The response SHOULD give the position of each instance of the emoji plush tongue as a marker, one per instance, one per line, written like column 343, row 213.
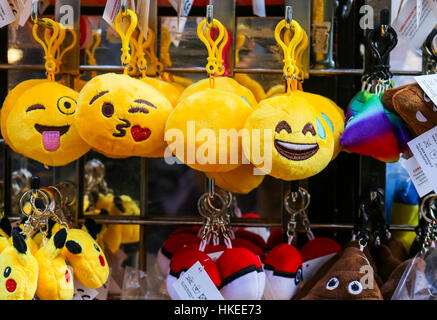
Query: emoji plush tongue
column 51, row 140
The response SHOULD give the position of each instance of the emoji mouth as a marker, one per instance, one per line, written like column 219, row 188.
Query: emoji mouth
column 51, row 135
column 121, row 128
column 296, row 151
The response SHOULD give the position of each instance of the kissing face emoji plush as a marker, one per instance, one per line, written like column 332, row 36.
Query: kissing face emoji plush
column 122, row 116
column 289, row 132
column 41, row 125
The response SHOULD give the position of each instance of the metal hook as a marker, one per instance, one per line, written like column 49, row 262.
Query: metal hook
column 123, row 6
column 211, row 183
column 209, row 13
column 34, row 11
column 288, row 14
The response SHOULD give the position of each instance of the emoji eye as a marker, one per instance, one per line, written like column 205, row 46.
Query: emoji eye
column 97, row 248
column 283, row 125
column 108, row 109
column 426, row 98
column 332, row 283
column 309, row 128
column 355, row 287
column 298, row 278
column 7, row 272
column 35, row 107
column 67, row 105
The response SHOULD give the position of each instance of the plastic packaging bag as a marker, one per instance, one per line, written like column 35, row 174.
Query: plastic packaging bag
column 419, row 281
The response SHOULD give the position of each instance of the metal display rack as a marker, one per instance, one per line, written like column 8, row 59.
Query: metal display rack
column 225, row 11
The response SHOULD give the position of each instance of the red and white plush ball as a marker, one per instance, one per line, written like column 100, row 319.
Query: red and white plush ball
column 283, row 268
column 262, row 232
column 184, row 260
column 171, row 246
column 276, row 237
column 242, row 275
column 315, row 253
column 244, row 243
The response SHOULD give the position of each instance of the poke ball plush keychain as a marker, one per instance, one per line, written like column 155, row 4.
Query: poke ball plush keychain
column 38, row 116
column 315, row 253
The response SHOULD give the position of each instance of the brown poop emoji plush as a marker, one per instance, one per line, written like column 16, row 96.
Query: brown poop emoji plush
column 415, row 108
column 343, row 281
column 385, row 260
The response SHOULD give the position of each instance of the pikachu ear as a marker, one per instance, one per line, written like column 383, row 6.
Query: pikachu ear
column 19, row 242
column 56, row 243
column 5, row 226
column 92, row 228
column 59, row 238
column 74, row 247
column 119, row 203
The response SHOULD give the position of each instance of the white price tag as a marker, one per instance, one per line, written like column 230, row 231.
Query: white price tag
column 424, row 149
column 103, row 290
column 175, row 30
column 417, row 175
column 112, row 7
column 25, row 14
column 195, row 284
column 143, row 16
column 6, row 14
column 259, row 8
column 428, row 83
column 415, row 22
column 83, row 293
column 185, row 6
column 215, row 255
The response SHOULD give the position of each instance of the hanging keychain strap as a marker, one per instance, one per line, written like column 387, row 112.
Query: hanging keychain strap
column 125, row 36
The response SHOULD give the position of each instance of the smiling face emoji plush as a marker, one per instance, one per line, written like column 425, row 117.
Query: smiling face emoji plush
column 122, row 116
column 41, row 125
column 292, row 137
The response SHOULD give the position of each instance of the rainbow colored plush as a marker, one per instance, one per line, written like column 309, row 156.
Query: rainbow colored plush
column 369, row 131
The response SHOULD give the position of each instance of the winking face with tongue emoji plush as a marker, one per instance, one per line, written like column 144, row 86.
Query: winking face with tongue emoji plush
column 41, row 125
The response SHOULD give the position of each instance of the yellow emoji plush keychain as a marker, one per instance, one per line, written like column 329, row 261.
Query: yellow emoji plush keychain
column 207, row 113
column 119, row 115
column 38, row 115
column 288, row 130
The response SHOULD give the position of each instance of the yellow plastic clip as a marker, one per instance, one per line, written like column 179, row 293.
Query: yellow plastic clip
column 290, row 66
column 90, row 50
column 205, row 28
column 125, row 36
column 61, row 54
column 50, row 62
column 165, row 46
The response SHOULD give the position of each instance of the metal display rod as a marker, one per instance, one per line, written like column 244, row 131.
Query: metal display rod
column 317, row 72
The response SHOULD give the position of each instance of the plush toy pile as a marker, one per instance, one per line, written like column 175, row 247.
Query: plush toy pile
column 47, row 270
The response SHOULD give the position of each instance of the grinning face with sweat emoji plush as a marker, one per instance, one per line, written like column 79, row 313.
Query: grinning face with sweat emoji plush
column 122, row 116
column 41, row 124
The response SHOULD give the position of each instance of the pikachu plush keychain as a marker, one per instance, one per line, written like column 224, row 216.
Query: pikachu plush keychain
column 119, row 115
column 38, row 115
column 207, row 105
column 296, row 134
